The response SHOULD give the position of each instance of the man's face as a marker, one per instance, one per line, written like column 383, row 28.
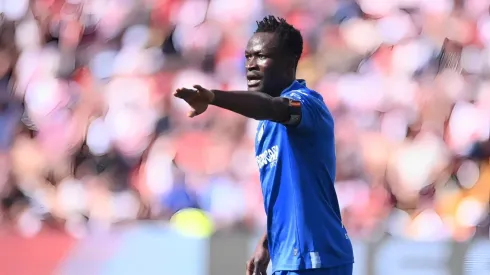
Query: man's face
column 264, row 64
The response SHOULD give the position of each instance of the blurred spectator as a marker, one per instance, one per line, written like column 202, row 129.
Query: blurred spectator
column 91, row 135
column 179, row 197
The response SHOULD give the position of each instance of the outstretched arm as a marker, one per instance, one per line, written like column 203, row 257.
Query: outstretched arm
column 253, row 105
column 259, row 106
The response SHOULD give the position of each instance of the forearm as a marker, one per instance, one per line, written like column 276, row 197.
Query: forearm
column 256, row 105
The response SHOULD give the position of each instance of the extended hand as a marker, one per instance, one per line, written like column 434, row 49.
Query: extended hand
column 199, row 99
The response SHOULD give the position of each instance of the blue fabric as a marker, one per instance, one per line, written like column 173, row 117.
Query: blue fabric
column 179, row 197
column 297, row 173
column 337, row 270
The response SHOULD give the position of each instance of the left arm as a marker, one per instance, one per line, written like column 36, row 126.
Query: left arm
column 259, row 106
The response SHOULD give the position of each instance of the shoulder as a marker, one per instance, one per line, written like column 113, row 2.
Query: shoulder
column 303, row 94
column 307, row 109
column 298, row 94
column 306, row 98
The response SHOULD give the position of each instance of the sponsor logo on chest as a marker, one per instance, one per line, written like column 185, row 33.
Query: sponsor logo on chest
column 268, row 157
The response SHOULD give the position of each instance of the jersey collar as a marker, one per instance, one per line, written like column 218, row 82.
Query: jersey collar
column 296, row 85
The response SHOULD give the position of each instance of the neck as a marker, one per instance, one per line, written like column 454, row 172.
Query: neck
column 281, row 87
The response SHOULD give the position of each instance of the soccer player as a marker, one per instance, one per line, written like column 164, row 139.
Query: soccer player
column 295, row 152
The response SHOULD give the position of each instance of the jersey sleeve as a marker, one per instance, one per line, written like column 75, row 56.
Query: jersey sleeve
column 304, row 110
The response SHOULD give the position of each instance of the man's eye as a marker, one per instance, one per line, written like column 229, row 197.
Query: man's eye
column 262, row 56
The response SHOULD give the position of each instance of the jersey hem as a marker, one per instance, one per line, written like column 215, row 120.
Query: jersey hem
column 294, row 267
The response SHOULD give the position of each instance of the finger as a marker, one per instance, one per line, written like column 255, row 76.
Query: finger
column 257, row 269
column 178, row 94
column 199, row 88
column 250, row 268
column 184, row 92
column 192, row 114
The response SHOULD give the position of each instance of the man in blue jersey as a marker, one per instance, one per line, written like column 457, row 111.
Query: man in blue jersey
column 295, row 152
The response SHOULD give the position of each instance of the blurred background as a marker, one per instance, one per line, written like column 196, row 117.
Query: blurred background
column 101, row 171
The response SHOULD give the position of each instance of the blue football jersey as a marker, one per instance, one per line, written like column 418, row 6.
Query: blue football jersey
column 297, row 172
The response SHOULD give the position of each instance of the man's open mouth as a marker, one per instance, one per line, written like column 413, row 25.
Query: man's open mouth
column 253, row 81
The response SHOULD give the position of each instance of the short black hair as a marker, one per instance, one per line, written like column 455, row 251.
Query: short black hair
column 289, row 37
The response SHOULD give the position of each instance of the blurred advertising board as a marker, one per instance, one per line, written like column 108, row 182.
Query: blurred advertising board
column 387, row 256
column 145, row 248
column 151, row 248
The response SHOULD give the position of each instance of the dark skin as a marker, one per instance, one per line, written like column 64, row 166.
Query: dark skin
column 266, row 79
column 269, row 71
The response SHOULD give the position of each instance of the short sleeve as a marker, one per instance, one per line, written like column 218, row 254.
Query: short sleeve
column 305, row 107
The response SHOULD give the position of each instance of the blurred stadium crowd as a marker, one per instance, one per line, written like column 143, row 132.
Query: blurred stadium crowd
column 91, row 135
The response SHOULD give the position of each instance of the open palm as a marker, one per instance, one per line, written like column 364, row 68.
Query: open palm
column 198, row 98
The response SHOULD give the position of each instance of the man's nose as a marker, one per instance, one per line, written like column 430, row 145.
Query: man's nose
column 251, row 64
